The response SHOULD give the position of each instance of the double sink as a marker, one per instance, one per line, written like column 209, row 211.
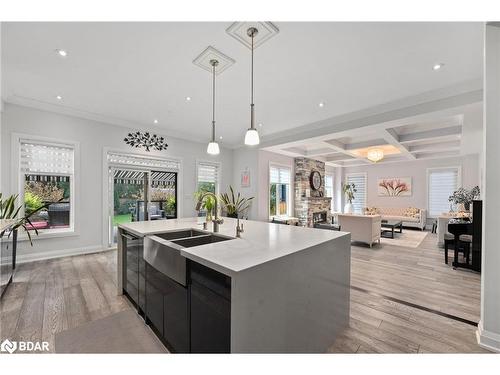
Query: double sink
column 163, row 250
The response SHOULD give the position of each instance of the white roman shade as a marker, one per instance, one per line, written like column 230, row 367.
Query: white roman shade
column 359, row 180
column 38, row 158
column 442, row 184
column 208, row 172
column 121, row 160
column 279, row 175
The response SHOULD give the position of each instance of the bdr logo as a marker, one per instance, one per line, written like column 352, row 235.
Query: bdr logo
column 23, row 346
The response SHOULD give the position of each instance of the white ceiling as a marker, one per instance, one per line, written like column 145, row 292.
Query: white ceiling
column 131, row 73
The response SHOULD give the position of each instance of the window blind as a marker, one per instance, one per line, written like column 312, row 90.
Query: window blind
column 359, row 202
column 146, row 162
column 279, row 175
column 442, row 184
column 208, row 172
column 44, row 158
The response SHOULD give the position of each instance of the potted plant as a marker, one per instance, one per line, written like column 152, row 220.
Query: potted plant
column 208, row 204
column 170, row 205
column 235, row 205
column 349, row 190
column 8, row 211
column 463, row 197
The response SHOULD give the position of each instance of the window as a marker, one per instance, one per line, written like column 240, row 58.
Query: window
column 279, row 191
column 47, row 175
column 329, row 188
column 442, row 182
column 208, row 177
column 359, row 180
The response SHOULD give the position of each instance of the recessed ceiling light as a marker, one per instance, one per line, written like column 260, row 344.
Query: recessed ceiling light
column 321, row 104
column 260, row 124
column 155, row 121
column 61, row 52
column 188, row 98
column 438, row 66
column 220, row 137
column 59, row 97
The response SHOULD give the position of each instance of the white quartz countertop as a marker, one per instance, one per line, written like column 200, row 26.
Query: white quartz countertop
column 260, row 242
column 5, row 223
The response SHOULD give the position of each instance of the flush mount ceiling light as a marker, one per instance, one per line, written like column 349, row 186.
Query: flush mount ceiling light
column 321, row 104
column 252, row 135
column 437, row 66
column 213, row 146
column 59, row 97
column 62, row 53
column 375, row 154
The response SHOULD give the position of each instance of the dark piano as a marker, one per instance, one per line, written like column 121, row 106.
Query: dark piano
column 457, row 227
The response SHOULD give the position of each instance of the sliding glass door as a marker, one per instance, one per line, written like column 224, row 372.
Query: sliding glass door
column 140, row 195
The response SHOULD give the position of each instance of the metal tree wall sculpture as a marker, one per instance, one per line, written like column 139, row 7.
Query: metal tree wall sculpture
column 146, row 140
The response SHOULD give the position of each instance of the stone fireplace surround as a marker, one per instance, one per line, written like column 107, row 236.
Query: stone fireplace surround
column 307, row 200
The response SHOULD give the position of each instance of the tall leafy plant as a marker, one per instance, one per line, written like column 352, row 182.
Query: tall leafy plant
column 349, row 190
column 9, row 211
column 235, row 204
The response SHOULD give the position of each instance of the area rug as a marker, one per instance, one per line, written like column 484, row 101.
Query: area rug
column 123, row 332
column 409, row 238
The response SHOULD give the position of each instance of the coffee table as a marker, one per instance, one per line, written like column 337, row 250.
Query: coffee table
column 388, row 228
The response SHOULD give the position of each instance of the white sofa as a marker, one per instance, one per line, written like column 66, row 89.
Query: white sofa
column 363, row 228
column 410, row 216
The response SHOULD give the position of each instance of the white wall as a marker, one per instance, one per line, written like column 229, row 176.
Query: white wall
column 417, row 170
column 93, row 138
column 489, row 325
column 246, row 158
column 257, row 162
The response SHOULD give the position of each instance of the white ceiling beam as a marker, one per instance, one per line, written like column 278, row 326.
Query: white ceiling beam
column 366, row 144
column 340, row 157
column 393, row 138
column 431, row 134
column 320, row 151
column 438, row 146
column 341, row 147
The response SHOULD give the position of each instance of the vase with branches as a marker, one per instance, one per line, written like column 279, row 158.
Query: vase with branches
column 349, row 190
column 464, row 196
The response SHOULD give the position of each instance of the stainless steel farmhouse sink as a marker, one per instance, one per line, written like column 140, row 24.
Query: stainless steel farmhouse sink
column 183, row 233
column 163, row 250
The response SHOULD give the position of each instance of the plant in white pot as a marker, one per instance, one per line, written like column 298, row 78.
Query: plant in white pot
column 349, row 190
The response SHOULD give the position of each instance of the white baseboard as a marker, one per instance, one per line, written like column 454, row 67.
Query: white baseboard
column 25, row 258
column 486, row 339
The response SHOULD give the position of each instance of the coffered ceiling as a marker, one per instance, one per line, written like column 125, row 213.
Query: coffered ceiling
column 133, row 73
column 441, row 136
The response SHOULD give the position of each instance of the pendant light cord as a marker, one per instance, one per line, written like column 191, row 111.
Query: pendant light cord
column 252, row 71
column 252, row 110
column 214, row 63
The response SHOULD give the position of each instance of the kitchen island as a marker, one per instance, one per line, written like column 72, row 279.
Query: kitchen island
column 277, row 289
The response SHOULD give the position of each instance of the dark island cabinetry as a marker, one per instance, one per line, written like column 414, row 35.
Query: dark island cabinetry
column 210, row 297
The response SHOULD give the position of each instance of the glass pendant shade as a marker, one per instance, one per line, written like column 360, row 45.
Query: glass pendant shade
column 252, row 137
column 213, row 148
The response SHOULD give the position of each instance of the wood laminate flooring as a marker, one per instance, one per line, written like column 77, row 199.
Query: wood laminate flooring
column 51, row 296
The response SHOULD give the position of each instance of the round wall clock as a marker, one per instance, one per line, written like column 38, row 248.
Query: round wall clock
column 315, row 180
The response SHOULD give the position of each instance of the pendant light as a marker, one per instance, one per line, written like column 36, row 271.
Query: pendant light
column 252, row 135
column 213, row 146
